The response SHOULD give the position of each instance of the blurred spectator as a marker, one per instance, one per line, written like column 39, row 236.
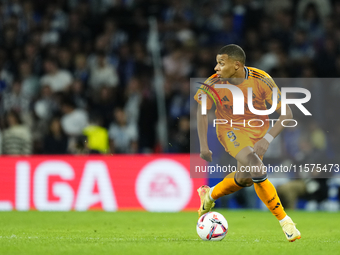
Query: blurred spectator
column 15, row 99
column 270, row 59
column 10, row 38
column 17, row 138
column 291, row 138
column 313, row 190
column 209, row 20
column 81, row 146
column 48, row 35
column 117, row 38
column 272, row 6
column 312, row 9
column 143, row 65
column 176, row 64
column 100, row 45
column 77, row 92
column 74, row 120
column 33, row 57
column 301, row 50
column 6, row 77
column 227, row 34
column 123, row 136
column 58, row 80
column 282, row 29
column 97, row 136
column 65, row 59
column 318, row 136
column 252, row 41
column 325, row 60
column 180, row 141
column 180, row 104
column 126, row 65
column 103, row 74
column 103, row 104
column 291, row 191
column 81, row 71
column 147, row 122
column 311, row 22
column 312, row 184
column 76, row 29
column 51, row 52
column 56, row 141
column 45, row 104
column 59, row 18
column 133, row 100
column 185, row 34
column 30, row 82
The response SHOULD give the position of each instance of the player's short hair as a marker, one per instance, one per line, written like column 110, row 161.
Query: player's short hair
column 234, row 51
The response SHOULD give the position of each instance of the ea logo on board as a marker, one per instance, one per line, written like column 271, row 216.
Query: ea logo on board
column 164, row 185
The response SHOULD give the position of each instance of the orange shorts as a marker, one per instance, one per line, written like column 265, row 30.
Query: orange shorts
column 234, row 140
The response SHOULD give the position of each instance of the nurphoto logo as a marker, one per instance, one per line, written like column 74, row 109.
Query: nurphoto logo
column 239, row 105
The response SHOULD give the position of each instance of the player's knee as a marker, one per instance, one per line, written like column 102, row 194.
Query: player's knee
column 253, row 160
column 256, row 166
column 245, row 182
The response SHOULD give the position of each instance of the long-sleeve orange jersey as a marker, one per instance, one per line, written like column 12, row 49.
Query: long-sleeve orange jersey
column 262, row 86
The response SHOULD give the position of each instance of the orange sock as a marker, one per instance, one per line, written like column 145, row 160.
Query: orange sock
column 267, row 193
column 226, row 187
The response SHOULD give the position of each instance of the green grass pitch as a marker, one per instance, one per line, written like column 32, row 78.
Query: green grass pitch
column 250, row 232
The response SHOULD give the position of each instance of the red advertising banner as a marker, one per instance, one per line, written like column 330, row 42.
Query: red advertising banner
column 110, row 183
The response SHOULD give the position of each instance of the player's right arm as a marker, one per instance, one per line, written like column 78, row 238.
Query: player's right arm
column 202, row 128
column 202, row 120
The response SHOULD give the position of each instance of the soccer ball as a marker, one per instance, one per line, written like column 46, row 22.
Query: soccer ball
column 212, row 226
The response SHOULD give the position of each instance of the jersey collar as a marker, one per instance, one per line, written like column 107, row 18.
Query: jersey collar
column 247, row 72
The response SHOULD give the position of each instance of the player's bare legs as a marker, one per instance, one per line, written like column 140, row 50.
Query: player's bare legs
column 232, row 183
column 267, row 192
column 243, row 178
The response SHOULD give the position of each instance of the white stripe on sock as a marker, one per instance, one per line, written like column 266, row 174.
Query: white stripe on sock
column 211, row 190
column 285, row 218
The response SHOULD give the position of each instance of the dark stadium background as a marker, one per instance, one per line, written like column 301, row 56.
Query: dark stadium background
column 112, row 77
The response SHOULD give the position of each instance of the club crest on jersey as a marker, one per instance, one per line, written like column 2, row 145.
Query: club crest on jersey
column 236, row 144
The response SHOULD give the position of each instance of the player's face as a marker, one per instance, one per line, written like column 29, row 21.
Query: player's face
column 226, row 67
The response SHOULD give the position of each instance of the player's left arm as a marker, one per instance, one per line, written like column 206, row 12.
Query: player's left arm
column 261, row 146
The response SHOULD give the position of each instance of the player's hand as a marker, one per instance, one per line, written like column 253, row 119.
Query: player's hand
column 206, row 155
column 261, row 147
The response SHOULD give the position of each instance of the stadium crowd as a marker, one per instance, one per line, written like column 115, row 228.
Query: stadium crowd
column 76, row 76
